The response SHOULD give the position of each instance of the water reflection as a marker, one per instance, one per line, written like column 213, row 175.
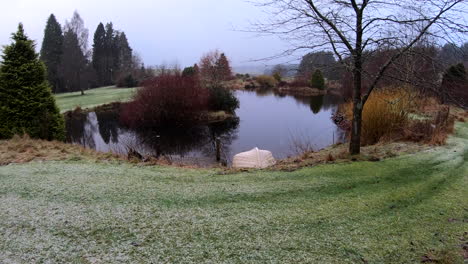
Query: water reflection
column 265, row 120
column 316, row 103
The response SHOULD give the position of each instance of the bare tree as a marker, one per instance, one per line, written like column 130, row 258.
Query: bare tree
column 78, row 58
column 76, row 25
column 353, row 29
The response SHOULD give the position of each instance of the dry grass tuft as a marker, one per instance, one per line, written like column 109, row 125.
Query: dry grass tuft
column 385, row 112
column 433, row 131
column 330, row 158
column 397, row 114
column 23, row 149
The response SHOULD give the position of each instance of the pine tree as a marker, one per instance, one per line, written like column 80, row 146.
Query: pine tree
column 125, row 52
column 51, row 51
column 317, row 80
column 99, row 54
column 188, row 71
column 110, row 54
column 26, row 101
column 455, row 84
column 223, row 68
column 73, row 63
column 75, row 55
column 196, row 69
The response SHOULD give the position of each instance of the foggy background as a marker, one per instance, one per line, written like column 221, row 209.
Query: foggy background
column 162, row 32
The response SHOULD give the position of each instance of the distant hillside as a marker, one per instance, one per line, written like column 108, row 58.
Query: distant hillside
column 263, row 69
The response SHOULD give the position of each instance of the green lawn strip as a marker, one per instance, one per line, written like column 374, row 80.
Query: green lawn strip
column 393, row 211
column 93, row 98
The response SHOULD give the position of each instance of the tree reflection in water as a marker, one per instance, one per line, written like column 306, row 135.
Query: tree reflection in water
column 102, row 131
column 265, row 119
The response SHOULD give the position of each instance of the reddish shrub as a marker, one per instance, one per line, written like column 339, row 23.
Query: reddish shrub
column 299, row 82
column 166, row 100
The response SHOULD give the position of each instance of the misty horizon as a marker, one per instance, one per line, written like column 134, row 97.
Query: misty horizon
column 160, row 32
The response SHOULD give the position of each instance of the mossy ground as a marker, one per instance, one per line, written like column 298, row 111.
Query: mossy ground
column 401, row 210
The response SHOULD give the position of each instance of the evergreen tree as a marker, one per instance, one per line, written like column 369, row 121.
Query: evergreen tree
column 125, row 52
column 26, row 102
column 188, row 71
column 455, row 85
column 99, row 54
column 75, row 54
column 317, row 80
column 223, row 68
column 111, row 54
column 196, row 69
column 73, row 63
column 51, row 51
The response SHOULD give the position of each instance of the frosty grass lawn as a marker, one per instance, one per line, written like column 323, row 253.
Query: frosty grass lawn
column 93, row 97
column 400, row 210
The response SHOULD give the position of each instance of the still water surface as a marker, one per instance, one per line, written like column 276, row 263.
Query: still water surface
column 284, row 125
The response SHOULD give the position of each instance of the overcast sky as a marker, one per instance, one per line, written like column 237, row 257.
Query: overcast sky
column 161, row 31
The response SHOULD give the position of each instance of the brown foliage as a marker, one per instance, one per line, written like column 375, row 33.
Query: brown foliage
column 266, row 81
column 433, row 131
column 22, row 149
column 385, row 118
column 166, row 99
column 385, row 112
column 215, row 68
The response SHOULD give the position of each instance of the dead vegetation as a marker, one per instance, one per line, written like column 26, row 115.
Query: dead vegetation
column 339, row 153
column 22, row 149
column 388, row 131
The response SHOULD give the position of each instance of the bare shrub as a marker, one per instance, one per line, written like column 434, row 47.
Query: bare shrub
column 433, row 131
column 266, row 81
column 301, row 145
column 329, row 158
column 166, row 99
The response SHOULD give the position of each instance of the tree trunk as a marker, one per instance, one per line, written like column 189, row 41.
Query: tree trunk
column 79, row 83
column 358, row 103
column 355, row 144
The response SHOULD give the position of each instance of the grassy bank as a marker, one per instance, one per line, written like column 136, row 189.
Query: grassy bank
column 401, row 210
column 93, row 97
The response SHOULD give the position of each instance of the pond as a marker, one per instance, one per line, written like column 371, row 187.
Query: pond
column 285, row 125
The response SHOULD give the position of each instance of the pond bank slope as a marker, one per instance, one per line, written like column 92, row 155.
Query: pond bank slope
column 400, row 210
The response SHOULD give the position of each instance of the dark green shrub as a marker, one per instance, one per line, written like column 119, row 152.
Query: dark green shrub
column 222, row 99
column 317, row 80
column 128, row 81
column 188, row 71
column 277, row 77
column 454, row 87
column 26, row 102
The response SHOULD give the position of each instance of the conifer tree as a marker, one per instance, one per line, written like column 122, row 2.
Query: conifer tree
column 75, row 55
column 73, row 63
column 454, row 87
column 110, row 54
column 125, row 52
column 317, row 80
column 196, row 69
column 223, row 68
column 51, row 51
column 26, row 102
column 99, row 54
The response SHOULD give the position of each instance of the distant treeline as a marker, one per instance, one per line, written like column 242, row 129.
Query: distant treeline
column 426, row 68
column 72, row 66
